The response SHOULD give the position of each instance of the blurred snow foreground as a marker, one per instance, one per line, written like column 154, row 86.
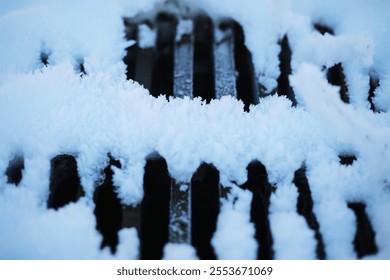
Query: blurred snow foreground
column 45, row 111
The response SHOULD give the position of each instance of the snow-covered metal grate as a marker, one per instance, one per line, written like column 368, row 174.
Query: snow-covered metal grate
column 190, row 56
column 183, row 53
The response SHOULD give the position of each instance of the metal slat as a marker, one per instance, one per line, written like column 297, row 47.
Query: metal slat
column 184, row 60
column 225, row 72
column 180, row 204
column 180, row 213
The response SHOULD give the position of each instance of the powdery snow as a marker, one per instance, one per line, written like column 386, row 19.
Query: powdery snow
column 173, row 251
column 233, row 228
column 45, row 111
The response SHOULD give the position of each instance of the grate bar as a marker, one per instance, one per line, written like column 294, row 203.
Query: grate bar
column 184, row 60
column 225, row 73
column 180, row 203
column 180, row 213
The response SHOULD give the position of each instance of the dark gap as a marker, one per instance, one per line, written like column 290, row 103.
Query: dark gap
column 155, row 209
column 335, row 74
column 263, row 92
column 204, row 80
column 305, row 208
column 131, row 217
column 15, row 169
column 108, row 209
column 144, row 67
column 131, row 33
column 246, row 83
column 65, row 186
column 261, row 190
column 364, row 241
column 284, row 88
column 336, row 77
column 347, row 159
column 180, row 211
column 374, row 83
column 44, row 57
column 80, row 67
column 323, row 29
column 205, row 209
column 162, row 77
column 224, row 192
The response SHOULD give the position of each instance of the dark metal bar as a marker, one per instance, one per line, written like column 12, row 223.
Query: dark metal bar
column 305, row 208
column 131, row 217
column 180, row 213
column 14, row 171
column 184, row 60
column 180, row 204
column 225, row 72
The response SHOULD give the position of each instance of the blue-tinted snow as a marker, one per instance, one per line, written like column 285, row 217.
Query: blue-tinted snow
column 47, row 111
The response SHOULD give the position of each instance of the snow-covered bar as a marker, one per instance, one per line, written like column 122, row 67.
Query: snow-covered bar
column 180, row 204
column 225, row 73
column 180, row 213
column 184, row 59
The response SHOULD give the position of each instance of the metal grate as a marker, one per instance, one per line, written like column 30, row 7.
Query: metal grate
column 193, row 56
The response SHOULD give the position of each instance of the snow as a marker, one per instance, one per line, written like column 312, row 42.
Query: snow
column 46, row 111
column 358, row 18
column 233, row 227
column 184, row 27
column 174, row 251
column 146, row 36
column 292, row 237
